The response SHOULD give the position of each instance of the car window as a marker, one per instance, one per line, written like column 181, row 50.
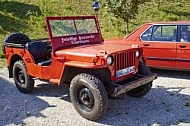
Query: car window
column 62, row 27
column 86, row 26
column 185, row 33
column 147, row 34
column 160, row 33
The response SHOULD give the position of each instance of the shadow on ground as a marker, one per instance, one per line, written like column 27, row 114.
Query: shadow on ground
column 158, row 107
column 27, row 105
column 51, row 90
column 162, row 105
column 172, row 73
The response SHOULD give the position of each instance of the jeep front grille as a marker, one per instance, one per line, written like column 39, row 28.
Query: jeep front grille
column 124, row 59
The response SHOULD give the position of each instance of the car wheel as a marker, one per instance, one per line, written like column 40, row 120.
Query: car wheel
column 23, row 81
column 142, row 90
column 88, row 96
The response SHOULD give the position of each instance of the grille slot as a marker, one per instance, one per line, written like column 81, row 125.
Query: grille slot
column 124, row 59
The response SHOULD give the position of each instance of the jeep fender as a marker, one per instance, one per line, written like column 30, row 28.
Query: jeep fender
column 73, row 68
column 11, row 62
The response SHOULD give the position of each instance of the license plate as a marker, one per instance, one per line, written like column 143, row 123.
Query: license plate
column 125, row 71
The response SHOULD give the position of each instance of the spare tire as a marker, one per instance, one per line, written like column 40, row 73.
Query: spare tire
column 17, row 38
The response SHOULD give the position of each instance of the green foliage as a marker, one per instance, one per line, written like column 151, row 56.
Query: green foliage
column 124, row 9
column 28, row 16
column 2, row 62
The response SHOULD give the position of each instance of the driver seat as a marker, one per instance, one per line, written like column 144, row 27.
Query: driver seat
column 39, row 52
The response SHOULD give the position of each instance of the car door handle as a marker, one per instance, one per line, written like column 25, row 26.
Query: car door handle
column 146, row 44
column 182, row 46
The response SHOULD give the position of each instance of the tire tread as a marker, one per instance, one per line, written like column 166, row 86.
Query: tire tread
column 100, row 89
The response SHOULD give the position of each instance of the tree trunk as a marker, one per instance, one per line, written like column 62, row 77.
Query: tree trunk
column 127, row 27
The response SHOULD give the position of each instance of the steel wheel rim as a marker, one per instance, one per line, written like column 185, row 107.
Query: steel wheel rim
column 20, row 76
column 85, row 98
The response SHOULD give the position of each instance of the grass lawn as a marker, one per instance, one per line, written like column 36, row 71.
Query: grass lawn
column 28, row 16
column 2, row 63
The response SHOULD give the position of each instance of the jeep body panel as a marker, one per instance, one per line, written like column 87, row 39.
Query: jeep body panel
column 75, row 54
column 77, row 42
column 32, row 68
column 86, row 53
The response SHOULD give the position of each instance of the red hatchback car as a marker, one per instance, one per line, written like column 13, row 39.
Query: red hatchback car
column 165, row 44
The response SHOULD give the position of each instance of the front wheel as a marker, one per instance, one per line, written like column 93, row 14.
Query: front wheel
column 23, row 81
column 142, row 90
column 88, row 96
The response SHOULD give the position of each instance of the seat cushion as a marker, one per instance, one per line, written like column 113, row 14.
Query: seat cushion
column 37, row 49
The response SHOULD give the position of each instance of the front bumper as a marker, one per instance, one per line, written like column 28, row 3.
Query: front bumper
column 134, row 84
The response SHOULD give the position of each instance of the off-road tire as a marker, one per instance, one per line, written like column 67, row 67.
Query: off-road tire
column 17, row 38
column 23, row 81
column 88, row 96
column 142, row 90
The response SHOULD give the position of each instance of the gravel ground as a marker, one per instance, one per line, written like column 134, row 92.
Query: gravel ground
column 168, row 103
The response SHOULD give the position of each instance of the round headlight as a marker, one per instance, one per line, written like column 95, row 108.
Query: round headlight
column 137, row 53
column 109, row 60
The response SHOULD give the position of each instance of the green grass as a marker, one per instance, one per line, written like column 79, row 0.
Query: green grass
column 28, row 16
column 2, row 62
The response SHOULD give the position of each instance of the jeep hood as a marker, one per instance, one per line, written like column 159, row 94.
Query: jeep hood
column 84, row 51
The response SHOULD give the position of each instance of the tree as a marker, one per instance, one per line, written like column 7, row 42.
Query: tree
column 124, row 9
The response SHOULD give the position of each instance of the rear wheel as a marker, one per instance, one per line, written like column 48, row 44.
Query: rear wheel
column 88, row 96
column 23, row 81
column 142, row 90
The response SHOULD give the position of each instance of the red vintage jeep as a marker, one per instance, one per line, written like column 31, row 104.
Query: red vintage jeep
column 77, row 55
